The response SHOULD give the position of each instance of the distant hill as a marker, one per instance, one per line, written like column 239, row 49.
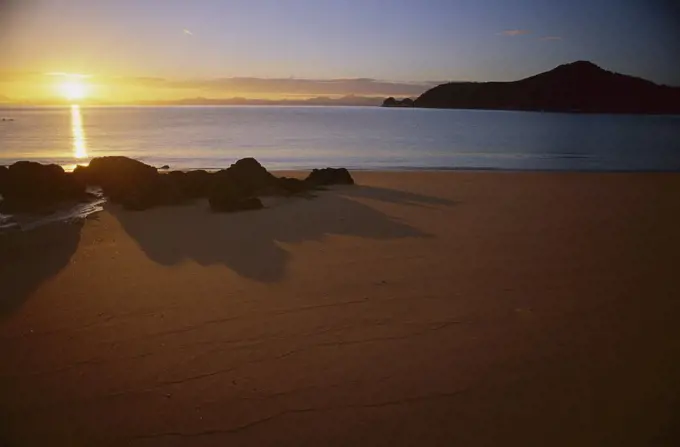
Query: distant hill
column 576, row 87
column 349, row 100
column 392, row 102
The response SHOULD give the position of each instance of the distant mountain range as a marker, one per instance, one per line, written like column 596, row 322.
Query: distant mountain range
column 349, row 100
column 576, row 87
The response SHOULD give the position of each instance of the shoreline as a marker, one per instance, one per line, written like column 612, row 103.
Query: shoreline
column 74, row 212
column 71, row 167
column 10, row 106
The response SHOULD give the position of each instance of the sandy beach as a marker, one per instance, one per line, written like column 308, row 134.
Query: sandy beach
column 416, row 308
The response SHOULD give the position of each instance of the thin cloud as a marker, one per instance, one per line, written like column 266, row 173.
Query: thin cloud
column 68, row 75
column 551, row 38
column 514, row 32
column 237, row 86
column 33, row 76
column 187, row 32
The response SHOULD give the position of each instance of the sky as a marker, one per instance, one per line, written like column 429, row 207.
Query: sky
column 142, row 50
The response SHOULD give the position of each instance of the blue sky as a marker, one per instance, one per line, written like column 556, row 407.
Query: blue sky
column 397, row 40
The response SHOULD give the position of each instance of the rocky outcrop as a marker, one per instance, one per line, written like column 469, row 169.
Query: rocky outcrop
column 392, row 102
column 580, row 86
column 138, row 186
column 135, row 185
column 33, row 187
column 329, row 176
column 248, row 176
column 235, row 188
column 293, row 185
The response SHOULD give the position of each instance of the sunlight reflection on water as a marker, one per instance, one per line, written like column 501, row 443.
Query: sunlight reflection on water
column 77, row 133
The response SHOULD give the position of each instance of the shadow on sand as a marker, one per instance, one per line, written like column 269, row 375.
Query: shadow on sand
column 27, row 259
column 249, row 242
column 393, row 196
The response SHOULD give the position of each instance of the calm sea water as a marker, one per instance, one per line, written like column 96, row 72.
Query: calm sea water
column 358, row 138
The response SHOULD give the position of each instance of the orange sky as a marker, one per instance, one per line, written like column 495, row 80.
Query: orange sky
column 48, row 88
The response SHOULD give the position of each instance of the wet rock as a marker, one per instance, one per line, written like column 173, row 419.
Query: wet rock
column 135, row 185
column 329, row 176
column 33, row 187
column 237, row 187
column 80, row 173
column 164, row 168
column 247, row 177
column 120, row 177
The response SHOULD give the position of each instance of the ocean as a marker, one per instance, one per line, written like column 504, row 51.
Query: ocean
column 353, row 137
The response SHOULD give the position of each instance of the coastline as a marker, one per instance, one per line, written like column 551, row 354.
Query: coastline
column 78, row 211
column 479, row 308
column 295, row 169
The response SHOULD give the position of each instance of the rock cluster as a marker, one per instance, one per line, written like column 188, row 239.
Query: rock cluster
column 28, row 186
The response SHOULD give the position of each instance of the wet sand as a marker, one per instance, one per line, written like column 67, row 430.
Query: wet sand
column 419, row 308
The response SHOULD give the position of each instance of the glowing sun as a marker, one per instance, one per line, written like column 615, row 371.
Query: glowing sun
column 73, row 90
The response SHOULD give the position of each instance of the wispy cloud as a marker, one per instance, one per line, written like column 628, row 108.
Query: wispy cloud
column 514, row 32
column 187, row 32
column 238, row 86
column 551, row 38
column 68, row 75
column 37, row 77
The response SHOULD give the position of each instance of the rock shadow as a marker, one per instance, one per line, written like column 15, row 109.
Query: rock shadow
column 249, row 242
column 28, row 258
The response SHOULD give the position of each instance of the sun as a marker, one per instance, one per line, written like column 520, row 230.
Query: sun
column 73, row 90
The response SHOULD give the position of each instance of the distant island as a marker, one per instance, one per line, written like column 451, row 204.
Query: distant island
column 393, row 102
column 580, row 87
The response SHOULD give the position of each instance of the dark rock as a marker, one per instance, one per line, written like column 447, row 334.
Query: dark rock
column 121, row 177
column 292, row 185
column 80, row 173
column 33, row 187
column 193, row 184
column 164, row 168
column 131, row 183
column 247, row 176
column 329, row 176
column 578, row 87
column 162, row 192
column 235, row 187
column 391, row 102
